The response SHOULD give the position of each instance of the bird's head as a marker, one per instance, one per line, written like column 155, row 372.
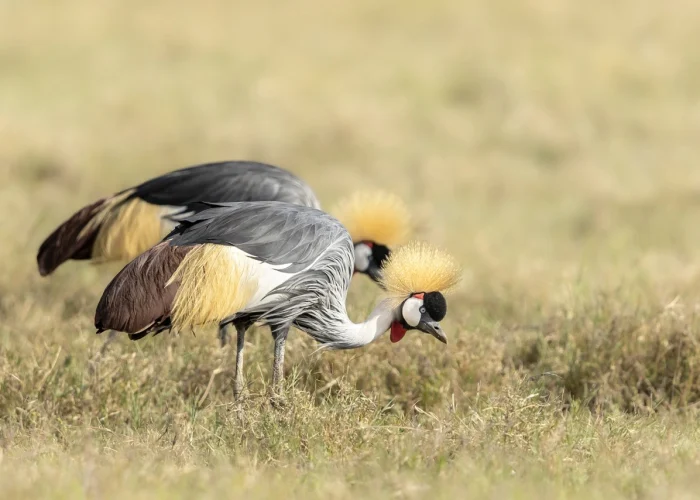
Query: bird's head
column 369, row 258
column 376, row 222
column 416, row 277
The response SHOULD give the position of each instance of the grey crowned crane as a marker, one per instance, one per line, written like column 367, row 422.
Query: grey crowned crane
column 273, row 263
column 122, row 226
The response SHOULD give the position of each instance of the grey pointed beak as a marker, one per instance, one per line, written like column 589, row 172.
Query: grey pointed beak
column 434, row 329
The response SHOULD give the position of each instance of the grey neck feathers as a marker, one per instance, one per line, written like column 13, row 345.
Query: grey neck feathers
column 314, row 302
column 339, row 332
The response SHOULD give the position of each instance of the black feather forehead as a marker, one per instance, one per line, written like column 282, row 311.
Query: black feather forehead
column 435, row 305
column 380, row 253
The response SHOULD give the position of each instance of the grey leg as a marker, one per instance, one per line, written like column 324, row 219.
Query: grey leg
column 240, row 341
column 94, row 361
column 224, row 337
column 279, row 333
column 112, row 337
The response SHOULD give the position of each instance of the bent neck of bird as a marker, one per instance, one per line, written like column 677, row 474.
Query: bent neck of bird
column 378, row 322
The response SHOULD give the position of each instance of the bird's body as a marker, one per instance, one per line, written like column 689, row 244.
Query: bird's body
column 243, row 263
column 122, row 226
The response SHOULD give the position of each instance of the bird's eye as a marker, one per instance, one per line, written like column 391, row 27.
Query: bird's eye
column 422, row 310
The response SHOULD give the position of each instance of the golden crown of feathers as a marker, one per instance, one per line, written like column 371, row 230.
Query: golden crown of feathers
column 419, row 267
column 376, row 216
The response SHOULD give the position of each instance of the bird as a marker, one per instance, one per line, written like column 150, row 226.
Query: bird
column 122, row 226
column 277, row 264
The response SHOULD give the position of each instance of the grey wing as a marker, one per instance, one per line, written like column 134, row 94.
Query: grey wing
column 280, row 234
column 230, row 181
column 311, row 300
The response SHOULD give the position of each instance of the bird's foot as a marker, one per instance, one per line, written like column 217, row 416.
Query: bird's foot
column 278, row 401
column 94, row 361
column 105, row 347
column 239, row 394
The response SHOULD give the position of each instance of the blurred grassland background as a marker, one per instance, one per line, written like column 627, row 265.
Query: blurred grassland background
column 551, row 145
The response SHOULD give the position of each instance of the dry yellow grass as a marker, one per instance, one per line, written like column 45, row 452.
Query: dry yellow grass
column 551, row 146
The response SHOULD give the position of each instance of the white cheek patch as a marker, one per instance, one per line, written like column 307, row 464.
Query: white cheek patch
column 411, row 311
column 363, row 253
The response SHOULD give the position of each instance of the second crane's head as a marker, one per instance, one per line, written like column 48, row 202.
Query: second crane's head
column 416, row 276
column 376, row 221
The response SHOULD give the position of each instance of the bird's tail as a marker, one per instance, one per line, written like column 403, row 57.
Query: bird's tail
column 140, row 298
column 116, row 228
column 74, row 239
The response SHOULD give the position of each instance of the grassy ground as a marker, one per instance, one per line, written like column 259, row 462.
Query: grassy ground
column 550, row 145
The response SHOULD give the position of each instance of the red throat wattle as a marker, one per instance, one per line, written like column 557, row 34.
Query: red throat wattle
column 397, row 331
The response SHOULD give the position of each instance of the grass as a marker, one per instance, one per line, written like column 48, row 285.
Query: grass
column 550, row 146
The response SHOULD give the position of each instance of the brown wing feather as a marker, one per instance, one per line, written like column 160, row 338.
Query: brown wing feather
column 138, row 300
column 71, row 240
